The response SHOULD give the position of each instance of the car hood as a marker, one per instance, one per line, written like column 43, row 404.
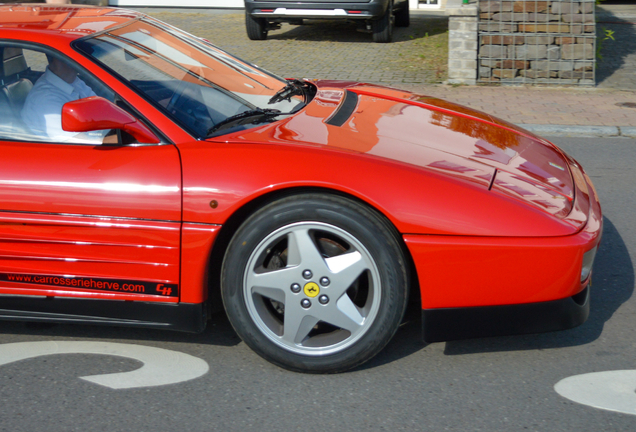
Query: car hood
column 433, row 134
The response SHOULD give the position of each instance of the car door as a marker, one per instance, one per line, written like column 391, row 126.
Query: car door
column 86, row 220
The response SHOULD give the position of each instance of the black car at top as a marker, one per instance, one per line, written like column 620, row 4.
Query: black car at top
column 376, row 16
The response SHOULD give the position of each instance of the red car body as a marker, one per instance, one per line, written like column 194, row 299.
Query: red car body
column 495, row 220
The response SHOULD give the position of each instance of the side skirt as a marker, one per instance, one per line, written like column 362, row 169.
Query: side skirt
column 464, row 323
column 186, row 317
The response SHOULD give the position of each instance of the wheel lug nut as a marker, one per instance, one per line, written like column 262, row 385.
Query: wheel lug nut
column 307, row 274
column 323, row 299
column 324, row 281
column 305, row 303
column 296, row 288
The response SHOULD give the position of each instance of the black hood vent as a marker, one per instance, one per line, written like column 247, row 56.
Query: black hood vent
column 344, row 111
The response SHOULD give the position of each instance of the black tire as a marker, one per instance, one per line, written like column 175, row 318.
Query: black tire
column 256, row 27
column 382, row 27
column 402, row 17
column 351, row 315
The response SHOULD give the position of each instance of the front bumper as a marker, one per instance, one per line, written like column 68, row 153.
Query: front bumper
column 493, row 286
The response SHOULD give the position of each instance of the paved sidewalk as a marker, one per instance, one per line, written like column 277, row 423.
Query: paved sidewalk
column 337, row 51
column 590, row 109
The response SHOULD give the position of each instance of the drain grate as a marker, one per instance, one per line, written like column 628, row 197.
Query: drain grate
column 627, row 104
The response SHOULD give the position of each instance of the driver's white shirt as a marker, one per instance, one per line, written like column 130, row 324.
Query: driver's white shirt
column 42, row 112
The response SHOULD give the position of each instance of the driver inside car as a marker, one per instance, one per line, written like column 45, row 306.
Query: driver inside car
column 42, row 112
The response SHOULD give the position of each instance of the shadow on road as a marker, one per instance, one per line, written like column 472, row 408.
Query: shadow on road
column 612, row 268
column 218, row 332
column 407, row 340
column 614, row 52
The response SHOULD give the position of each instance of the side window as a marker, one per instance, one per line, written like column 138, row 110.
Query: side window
column 34, row 85
column 35, row 60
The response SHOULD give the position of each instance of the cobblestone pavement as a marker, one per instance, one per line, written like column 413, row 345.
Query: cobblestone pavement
column 336, row 50
column 329, row 49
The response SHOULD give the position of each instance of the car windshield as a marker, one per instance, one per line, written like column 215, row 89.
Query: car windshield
column 198, row 85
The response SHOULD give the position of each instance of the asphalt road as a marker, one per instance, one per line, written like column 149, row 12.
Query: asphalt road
column 493, row 384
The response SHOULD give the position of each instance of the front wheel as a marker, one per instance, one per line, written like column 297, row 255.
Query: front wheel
column 315, row 283
column 256, row 27
column 402, row 17
column 382, row 27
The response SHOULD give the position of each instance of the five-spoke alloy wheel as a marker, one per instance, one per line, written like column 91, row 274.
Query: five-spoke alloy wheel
column 315, row 283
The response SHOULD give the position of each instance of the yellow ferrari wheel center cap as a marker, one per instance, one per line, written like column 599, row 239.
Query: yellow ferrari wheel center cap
column 312, row 289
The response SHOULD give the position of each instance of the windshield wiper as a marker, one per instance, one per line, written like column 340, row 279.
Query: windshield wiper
column 246, row 117
column 294, row 87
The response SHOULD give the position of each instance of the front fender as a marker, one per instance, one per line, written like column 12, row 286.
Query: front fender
column 417, row 200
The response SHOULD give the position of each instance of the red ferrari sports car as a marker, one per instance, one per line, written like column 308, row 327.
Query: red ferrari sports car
column 148, row 178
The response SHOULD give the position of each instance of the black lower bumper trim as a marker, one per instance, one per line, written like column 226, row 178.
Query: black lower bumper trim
column 464, row 323
column 187, row 317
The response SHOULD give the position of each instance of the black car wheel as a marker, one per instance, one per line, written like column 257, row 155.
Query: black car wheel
column 315, row 283
column 382, row 27
column 256, row 27
column 402, row 17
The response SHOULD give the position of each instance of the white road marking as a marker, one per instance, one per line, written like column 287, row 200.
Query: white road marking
column 610, row 390
column 160, row 367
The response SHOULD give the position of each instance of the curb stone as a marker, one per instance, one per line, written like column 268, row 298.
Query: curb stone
column 629, row 132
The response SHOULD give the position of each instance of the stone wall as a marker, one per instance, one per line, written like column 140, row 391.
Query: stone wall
column 532, row 41
column 462, row 44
